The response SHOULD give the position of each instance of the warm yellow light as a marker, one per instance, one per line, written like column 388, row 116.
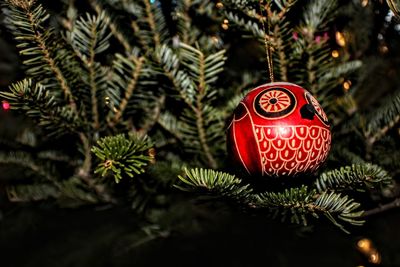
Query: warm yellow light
column 375, row 257
column 215, row 39
column 364, row 3
column 346, row 86
column 225, row 26
column 335, row 54
column 221, row 5
column 226, row 21
column 364, row 243
column 383, row 49
column 340, row 40
column 152, row 155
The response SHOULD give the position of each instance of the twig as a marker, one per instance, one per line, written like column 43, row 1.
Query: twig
column 394, row 204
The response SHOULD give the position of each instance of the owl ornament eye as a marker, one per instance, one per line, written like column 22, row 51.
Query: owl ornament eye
column 279, row 129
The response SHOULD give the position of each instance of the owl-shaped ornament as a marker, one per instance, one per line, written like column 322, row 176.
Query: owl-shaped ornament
column 279, row 129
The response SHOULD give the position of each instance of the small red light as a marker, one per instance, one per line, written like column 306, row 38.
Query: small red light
column 6, row 105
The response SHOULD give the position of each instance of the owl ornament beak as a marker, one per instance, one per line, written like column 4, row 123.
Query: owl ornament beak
column 307, row 112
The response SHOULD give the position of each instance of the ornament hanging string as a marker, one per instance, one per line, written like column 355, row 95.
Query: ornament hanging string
column 268, row 49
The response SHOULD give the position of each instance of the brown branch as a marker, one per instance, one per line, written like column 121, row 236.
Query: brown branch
column 281, row 54
column 113, row 27
column 311, row 77
column 47, row 56
column 382, row 132
column 84, row 173
column 153, row 119
column 92, row 79
column 129, row 91
column 199, row 114
column 152, row 23
column 382, row 208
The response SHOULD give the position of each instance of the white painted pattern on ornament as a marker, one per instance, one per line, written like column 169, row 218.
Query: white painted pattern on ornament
column 320, row 112
column 307, row 150
column 275, row 101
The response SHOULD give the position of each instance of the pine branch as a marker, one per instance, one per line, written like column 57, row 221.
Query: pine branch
column 355, row 177
column 382, row 208
column 170, row 123
column 281, row 34
column 295, row 203
column 36, row 44
column 36, row 102
column 179, row 79
column 152, row 23
column 203, row 71
column 25, row 160
column 394, row 6
column 318, row 14
column 28, row 193
column 74, row 192
column 187, row 33
column 298, row 203
column 125, row 79
column 383, row 119
column 113, row 26
column 332, row 204
column 248, row 25
column 122, row 156
column 89, row 38
column 342, row 154
column 216, row 184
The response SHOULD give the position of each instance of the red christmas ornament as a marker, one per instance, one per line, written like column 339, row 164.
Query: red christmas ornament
column 279, row 129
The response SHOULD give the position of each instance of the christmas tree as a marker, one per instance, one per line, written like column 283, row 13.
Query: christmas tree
column 128, row 103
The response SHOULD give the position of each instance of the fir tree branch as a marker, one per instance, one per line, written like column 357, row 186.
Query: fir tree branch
column 354, row 177
column 35, row 192
column 113, row 27
column 202, row 71
column 295, row 203
column 201, row 88
column 280, row 51
column 87, row 162
column 382, row 208
column 122, row 156
column 311, row 74
column 185, row 22
column 25, row 160
column 88, row 38
column 215, row 183
column 30, row 20
column 180, row 80
column 154, row 119
column 129, row 90
column 38, row 103
column 171, row 124
column 318, row 14
column 152, row 23
column 298, row 203
column 137, row 31
column 394, row 6
column 202, row 135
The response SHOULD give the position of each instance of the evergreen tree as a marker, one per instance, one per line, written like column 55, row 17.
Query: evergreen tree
column 142, row 95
